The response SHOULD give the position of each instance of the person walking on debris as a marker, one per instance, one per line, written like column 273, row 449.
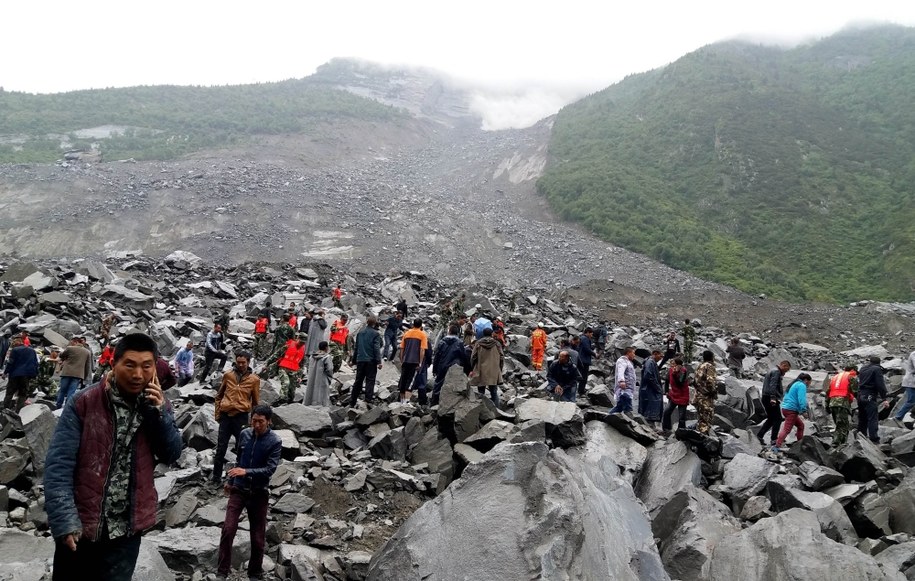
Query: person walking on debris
column 293, row 316
column 48, row 367
column 481, row 324
column 562, row 377
column 283, row 333
column 259, row 454
column 689, row 339
column 21, row 368
column 316, row 334
column 706, row 392
column 238, row 394
column 291, row 360
column 184, row 364
column 498, row 331
column 871, row 397
column 339, row 333
column 337, row 296
column 74, row 370
column 213, row 351
column 651, row 394
column 843, row 387
column 772, row 392
column 105, row 361
column 488, row 360
column 450, row 351
column 99, row 488
column 320, row 374
column 401, row 308
column 908, row 382
column 794, row 408
column 391, row 330
column 469, row 333
column 736, row 355
column 538, row 347
column 261, row 329
column 671, row 348
column 585, row 355
column 624, row 385
column 677, row 396
column 367, row 359
column 413, row 347
column 421, row 379
column 600, row 339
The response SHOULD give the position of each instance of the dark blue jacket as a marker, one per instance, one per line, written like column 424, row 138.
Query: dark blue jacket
column 368, row 345
column 565, row 376
column 585, row 353
column 870, row 381
column 22, row 362
column 449, row 351
column 260, row 455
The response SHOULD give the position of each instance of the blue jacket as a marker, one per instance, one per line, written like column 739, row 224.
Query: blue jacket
column 22, row 362
column 585, row 353
column 449, row 351
column 481, row 325
column 259, row 457
column 368, row 345
column 796, row 398
column 565, row 376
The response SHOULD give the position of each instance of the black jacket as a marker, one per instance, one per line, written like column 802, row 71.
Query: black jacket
column 565, row 376
column 870, row 381
column 772, row 384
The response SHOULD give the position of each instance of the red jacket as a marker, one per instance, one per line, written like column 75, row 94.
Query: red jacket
column 838, row 385
column 339, row 332
column 292, row 358
column 679, row 386
column 260, row 326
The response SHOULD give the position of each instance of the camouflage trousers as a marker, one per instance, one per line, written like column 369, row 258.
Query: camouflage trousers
column 289, row 382
column 261, row 345
column 705, row 407
column 841, row 416
column 337, row 354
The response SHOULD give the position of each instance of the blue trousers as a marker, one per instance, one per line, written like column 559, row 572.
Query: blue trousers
column 909, row 403
column 623, row 404
column 68, row 386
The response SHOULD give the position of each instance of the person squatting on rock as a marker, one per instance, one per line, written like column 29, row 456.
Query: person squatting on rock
column 538, row 347
column 772, row 392
column 367, row 359
column 184, row 364
column 871, row 396
column 450, row 351
column 320, row 374
column 843, row 387
column 624, row 383
column 794, row 409
column 736, row 355
column 677, row 395
column 651, row 394
column 99, row 486
column 339, row 333
column 213, row 351
column 487, row 360
column 290, row 360
column 562, row 377
column 239, row 393
column 706, row 392
column 413, row 347
column 908, row 382
column 247, row 488
column 75, row 370
column 21, row 368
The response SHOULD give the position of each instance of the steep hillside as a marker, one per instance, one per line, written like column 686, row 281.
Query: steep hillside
column 788, row 172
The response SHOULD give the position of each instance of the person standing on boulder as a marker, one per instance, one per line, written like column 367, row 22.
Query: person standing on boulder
column 450, row 351
column 538, row 347
column 706, row 392
column 908, row 382
column 316, row 335
column 487, row 360
column 339, row 333
column 260, row 449
column 413, row 351
column 677, row 396
column 74, row 370
column 772, row 392
column 21, row 368
column 843, row 387
column 600, row 339
column 391, row 330
column 401, row 307
column 671, row 348
column 736, row 355
column 585, row 355
column 651, row 394
column 320, row 374
column 871, row 392
column 290, row 362
column 624, row 385
column 689, row 340
column 367, row 357
column 261, row 328
column 283, row 333
column 213, row 351
column 99, row 488
column 184, row 364
column 238, row 394
column 562, row 377
column 337, row 295
column 793, row 407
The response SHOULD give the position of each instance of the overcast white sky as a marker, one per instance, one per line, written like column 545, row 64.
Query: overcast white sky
column 550, row 50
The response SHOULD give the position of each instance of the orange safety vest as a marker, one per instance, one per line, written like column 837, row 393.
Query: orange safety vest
column 292, row 321
column 260, row 326
column 838, row 385
column 338, row 293
column 339, row 333
column 538, row 340
column 292, row 358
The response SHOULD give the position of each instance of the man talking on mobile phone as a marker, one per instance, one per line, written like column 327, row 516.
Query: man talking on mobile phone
column 98, row 482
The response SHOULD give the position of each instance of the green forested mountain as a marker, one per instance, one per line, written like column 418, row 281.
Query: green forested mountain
column 789, row 172
column 168, row 121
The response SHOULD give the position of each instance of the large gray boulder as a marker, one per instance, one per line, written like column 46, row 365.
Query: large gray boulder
column 302, row 419
column 24, row 556
column 150, row 564
column 565, row 424
column 860, row 460
column 670, row 466
column 746, row 476
column 901, row 504
column 688, row 527
column 38, row 423
column 197, row 548
column 548, row 515
column 436, row 452
column 625, row 452
column 834, row 522
column 790, row 547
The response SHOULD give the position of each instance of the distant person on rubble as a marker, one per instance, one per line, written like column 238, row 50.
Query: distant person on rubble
column 213, row 350
column 487, row 360
column 337, row 295
column 339, row 334
column 843, row 388
column 290, row 360
column 21, row 368
column 413, row 347
column 689, row 340
column 449, row 352
column 706, row 382
column 238, row 393
column 282, row 334
column 367, row 359
column 736, row 355
column 320, row 374
column 651, row 394
column 538, row 347
column 871, row 398
column 261, row 338
column 392, row 329
column 184, row 364
column 562, row 377
column 316, row 334
column 74, row 370
column 624, row 385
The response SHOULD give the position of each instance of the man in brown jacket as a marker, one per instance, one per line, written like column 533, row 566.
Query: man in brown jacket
column 75, row 369
column 487, row 360
column 238, row 394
